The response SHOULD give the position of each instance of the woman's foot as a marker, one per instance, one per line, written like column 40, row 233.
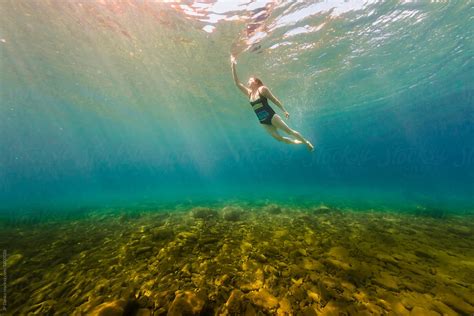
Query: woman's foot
column 309, row 146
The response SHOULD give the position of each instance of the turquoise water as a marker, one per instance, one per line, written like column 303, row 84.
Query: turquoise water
column 116, row 103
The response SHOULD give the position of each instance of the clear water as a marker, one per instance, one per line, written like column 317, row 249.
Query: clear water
column 108, row 102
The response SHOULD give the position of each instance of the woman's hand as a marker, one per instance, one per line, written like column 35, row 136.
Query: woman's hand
column 232, row 60
column 287, row 115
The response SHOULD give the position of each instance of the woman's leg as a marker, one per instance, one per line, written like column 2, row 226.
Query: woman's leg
column 279, row 123
column 273, row 131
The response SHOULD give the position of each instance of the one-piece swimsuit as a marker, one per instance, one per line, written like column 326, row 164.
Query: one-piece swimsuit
column 263, row 110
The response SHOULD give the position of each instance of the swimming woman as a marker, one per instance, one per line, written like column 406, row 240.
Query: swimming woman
column 258, row 95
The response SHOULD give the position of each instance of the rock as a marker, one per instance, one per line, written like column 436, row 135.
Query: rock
column 250, row 310
column 13, row 260
column 162, row 299
column 314, row 296
column 325, row 292
column 294, row 254
column 259, row 257
column 143, row 301
column 187, row 303
column 295, row 271
column 309, row 311
column 263, row 299
column 298, row 282
column 424, row 255
column 186, row 270
column 221, row 280
column 387, row 281
column 141, row 250
column 20, row 281
column 187, row 236
column 337, row 264
column 457, row 303
column 44, row 308
column 285, row 308
column 333, row 307
column 443, row 308
column 245, row 246
column 420, row 311
column 348, row 286
column 399, row 309
column 232, row 213
column 459, row 230
column 143, row 312
column 339, row 253
column 272, row 209
column 259, row 280
column 303, row 252
column 413, row 285
column 281, row 233
column 323, row 209
column 312, row 264
column 387, row 259
column 409, row 302
column 203, row 213
column 162, row 233
column 360, row 274
column 235, row 303
column 309, row 238
column 115, row 308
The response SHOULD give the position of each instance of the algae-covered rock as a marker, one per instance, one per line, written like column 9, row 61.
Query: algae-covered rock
column 424, row 255
column 312, row 264
column 281, row 233
column 143, row 312
column 235, row 303
column 460, row 230
column 258, row 279
column 245, row 246
column 387, row 281
column 284, row 308
column 163, row 299
column 187, row 303
column 457, row 303
column 44, row 308
column 323, row 209
column 142, row 250
column 203, row 213
column 421, row 311
column 272, row 209
column 233, row 213
column 310, row 311
column 14, row 260
column 250, row 310
column 339, row 253
column 115, row 308
column 443, row 309
column 399, row 309
column 430, row 212
column 162, row 233
column 264, row 299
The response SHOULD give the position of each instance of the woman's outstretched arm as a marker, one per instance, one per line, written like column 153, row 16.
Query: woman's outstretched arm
column 268, row 94
column 236, row 80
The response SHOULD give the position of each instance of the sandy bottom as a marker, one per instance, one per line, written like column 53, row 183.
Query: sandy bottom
column 241, row 260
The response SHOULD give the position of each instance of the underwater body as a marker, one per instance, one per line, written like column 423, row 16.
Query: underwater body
column 135, row 178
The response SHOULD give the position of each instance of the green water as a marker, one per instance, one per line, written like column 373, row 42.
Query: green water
column 108, row 102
